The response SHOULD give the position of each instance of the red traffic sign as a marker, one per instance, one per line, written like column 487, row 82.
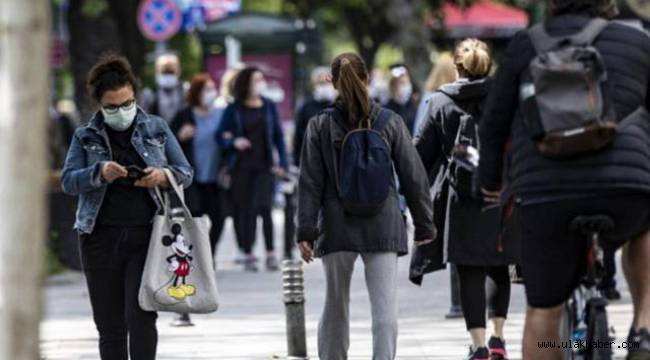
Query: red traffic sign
column 159, row 20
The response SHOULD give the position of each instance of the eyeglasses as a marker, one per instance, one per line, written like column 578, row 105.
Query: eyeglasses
column 113, row 109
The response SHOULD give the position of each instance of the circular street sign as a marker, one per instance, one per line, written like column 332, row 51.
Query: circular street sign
column 159, row 20
column 640, row 7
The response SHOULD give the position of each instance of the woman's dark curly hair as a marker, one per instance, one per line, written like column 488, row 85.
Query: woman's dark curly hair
column 111, row 72
column 602, row 8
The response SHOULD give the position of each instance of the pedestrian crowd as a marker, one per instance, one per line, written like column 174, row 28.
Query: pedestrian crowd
column 492, row 162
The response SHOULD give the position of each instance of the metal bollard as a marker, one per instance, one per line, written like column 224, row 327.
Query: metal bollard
column 456, row 310
column 294, row 302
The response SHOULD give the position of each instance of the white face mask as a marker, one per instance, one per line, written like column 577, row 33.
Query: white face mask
column 260, row 88
column 208, row 97
column 166, row 81
column 325, row 93
column 120, row 119
column 403, row 94
column 378, row 89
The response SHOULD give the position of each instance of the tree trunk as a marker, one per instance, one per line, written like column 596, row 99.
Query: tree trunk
column 24, row 55
column 368, row 28
column 90, row 36
column 124, row 13
column 412, row 38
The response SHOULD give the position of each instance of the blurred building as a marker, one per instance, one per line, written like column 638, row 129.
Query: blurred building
column 284, row 49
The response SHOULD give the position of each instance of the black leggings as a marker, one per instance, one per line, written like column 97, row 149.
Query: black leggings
column 113, row 260
column 252, row 195
column 267, row 228
column 473, row 297
column 208, row 199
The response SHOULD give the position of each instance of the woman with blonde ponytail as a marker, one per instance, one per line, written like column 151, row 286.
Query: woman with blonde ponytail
column 330, row 230
column 448, row 143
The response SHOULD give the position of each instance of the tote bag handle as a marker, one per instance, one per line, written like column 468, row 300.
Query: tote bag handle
column 178, row 190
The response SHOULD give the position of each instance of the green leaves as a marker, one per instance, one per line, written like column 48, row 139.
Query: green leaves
column 94, row 8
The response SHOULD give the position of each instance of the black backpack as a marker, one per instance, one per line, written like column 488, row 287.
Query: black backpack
column 464, row 156
column 365, row 171
column 566, row 101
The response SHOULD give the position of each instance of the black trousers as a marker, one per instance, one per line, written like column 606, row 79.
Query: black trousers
column 473, row 295
column 252, row 196
column 113, row 260
column 209, row 199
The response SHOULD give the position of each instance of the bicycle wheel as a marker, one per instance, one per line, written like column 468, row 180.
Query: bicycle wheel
column 566, row 327
column 598, row 330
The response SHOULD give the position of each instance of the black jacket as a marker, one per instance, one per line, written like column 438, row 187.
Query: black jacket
column 321, row 217
column 407, row 111
column 471, row 227
column 623, row 166
column 184, row 117
column 308, row 110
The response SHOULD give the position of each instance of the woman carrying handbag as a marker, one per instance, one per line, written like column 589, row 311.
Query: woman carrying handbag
column 114, row 164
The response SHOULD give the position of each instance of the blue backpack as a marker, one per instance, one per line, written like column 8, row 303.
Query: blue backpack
column 365, row 173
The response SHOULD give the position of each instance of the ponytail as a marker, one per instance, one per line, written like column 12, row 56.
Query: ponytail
column 350, row 75
column 472, row 59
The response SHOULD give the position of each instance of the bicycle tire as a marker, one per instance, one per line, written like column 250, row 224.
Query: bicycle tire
column 598, row 330
column 566, row 327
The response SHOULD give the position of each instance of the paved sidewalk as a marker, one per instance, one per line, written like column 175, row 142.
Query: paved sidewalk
column 250, row 323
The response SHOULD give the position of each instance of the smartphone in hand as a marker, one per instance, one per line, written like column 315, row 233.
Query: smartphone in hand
column 135, row 172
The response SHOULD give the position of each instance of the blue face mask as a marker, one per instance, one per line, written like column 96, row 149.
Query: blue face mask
column 121, row 118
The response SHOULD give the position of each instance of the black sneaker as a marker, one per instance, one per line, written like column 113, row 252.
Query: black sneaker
column 481, row 353
column 611, row 294
column 497, row 349
column 638, row 343
column 182, row 320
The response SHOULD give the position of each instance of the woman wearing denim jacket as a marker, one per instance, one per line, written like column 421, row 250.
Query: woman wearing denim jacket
column 250, row 130
column 117, row 204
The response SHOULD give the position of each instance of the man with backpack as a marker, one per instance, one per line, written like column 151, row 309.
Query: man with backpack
column 569, row 103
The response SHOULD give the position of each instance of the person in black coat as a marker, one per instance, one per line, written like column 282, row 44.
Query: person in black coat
column 323, row 95
column 471, row 225
column 403, row 99
column 550, row 193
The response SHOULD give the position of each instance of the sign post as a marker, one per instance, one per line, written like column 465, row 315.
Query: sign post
column 159, row 20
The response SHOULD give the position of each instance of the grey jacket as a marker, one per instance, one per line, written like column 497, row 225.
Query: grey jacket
column 321, row 218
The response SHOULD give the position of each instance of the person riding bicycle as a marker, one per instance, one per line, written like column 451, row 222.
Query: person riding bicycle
column 550, row 192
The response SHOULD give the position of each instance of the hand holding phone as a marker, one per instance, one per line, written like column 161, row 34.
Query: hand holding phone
column 135, row 172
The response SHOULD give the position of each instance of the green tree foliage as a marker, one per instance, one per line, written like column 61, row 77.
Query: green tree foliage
column 373, row 23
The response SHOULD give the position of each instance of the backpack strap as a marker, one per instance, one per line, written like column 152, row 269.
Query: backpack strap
column 590, row 32
column 544, row 42
column 383, row 118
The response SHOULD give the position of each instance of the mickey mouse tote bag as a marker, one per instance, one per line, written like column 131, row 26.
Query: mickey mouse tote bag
column 178, row 273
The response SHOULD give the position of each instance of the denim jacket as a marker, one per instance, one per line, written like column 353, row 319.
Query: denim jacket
column 90, row 149
column 231, row 128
